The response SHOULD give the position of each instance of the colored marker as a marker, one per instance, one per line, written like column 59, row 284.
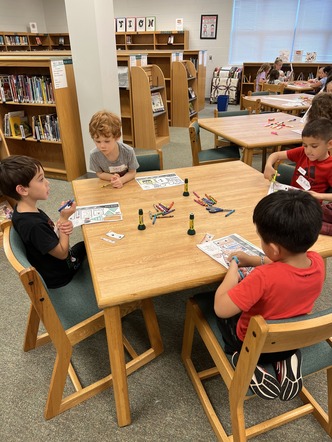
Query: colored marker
column 197, row 196
column 170, row 206
column 67, row 204
column 275, row 175
column 230, row 213
column 274, row 133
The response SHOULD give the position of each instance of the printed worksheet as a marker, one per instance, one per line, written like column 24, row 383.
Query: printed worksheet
column 97, row 213
column 220, row 248
column 159, row 181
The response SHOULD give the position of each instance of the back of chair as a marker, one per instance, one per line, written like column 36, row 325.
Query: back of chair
column 253, row 94
column 253, row 106
column 150, row 162
column 230, row 113
column 195, row 141
column 275, row 88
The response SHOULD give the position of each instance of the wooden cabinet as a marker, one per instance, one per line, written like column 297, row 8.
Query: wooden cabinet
column 157, row 40
column 302, row 71
column 150, row 125
column 62, row 159
column 25, row 41
column 127, row 118
column 184, row 93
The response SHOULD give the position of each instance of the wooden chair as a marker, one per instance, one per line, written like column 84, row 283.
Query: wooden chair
column 148, row 162
column 310, row 333
column 219, row 141
column 252, row 106
column 70, row 314
column 209, row 156
column 253, row 94
column 274, row 88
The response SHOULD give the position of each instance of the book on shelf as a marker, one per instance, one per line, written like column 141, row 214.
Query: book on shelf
column 5, row 91
column 157, row 102
column 6, row 210
column 171, row 39
column 61, row 41
column 191, row 108
column 38, row 41
column 191, row 93
column 189, row 74
column 18, row 125
column 46, row 127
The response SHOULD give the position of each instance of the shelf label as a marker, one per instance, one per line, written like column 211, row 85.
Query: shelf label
column 59, row 74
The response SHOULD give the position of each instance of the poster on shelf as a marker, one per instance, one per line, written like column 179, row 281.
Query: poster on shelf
column 140, row 24
column 284, row 55
column 298, row 56
column 179, row 24
column 150, row 23
column 121, row 24
column 310, row 57
column 131, row 24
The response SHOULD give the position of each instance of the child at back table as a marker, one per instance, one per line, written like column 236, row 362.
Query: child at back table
column 285, row 283
column 112, row 160
column 313, row 170
column 262, row 75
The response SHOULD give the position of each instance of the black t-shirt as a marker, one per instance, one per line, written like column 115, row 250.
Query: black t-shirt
column 36, row 230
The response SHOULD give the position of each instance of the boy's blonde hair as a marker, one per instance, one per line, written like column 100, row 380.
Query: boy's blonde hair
column 105, row 124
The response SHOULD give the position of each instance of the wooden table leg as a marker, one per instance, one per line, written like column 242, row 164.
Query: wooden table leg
column 118, row 365
column 247, row 156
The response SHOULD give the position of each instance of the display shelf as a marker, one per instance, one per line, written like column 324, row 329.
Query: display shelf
column 149, row 107
column 184, row 103
column 154, row 40
column 27, row 41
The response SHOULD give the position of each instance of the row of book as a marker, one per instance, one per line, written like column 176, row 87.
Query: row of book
column 16, row 40
column 43, row 127
column 26, row 89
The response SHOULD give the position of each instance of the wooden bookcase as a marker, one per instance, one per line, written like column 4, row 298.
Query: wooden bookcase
column 164, row 60
column 127, row 118
column 26, row 41
column 154, row 40
column 61, row 159
column 184, row 104
column 249, row 73
column 151, row 128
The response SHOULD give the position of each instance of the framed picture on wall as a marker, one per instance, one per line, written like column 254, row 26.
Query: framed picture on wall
column 209, row 24
column 140, row 24
column 121, row 24
column 131, row 24
column 150, row 24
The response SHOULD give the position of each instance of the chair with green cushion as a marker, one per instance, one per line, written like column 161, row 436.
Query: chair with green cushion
column 253, row 94
column 149, row 162
column 219, row 141
column 285, row 173
column 310, row 333
column 69, row 315
column 209, row 156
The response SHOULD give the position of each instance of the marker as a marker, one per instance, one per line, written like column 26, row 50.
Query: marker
column 197, row 196
column 170, row 206
column 68, row 203
column 230, row 213
column 274, row 133
column 275, row 175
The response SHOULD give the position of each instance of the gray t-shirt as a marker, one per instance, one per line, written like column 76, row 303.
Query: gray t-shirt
column 126, row 161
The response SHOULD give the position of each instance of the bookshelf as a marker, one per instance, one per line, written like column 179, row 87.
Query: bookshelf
column 26, row 41
column 62, row 159
column 151, row 127
column 154, row 40
column 127, row 118
column 184, row 93
column 249, row 73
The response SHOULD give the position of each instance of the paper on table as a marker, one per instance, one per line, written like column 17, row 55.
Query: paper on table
column 97, row 213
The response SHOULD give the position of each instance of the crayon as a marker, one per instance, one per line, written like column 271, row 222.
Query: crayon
column 230, row 213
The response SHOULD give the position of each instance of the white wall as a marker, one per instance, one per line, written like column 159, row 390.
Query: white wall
column 190, row 10
column 15, row 15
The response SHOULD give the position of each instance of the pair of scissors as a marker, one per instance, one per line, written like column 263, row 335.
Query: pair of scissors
column 213, row 209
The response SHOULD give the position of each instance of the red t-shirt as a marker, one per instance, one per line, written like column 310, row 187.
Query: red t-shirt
column 278, row 291
column 318, row 173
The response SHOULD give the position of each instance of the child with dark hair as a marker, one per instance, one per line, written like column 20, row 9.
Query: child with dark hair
column 274, row 77
column 321, row 107
column 286, row 283
column 22, row 178
column 313, row 170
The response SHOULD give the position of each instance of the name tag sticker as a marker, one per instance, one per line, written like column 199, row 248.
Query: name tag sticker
column 302, row 171
column 303, row 182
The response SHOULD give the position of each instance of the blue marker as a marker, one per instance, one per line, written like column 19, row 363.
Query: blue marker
column 67, row 204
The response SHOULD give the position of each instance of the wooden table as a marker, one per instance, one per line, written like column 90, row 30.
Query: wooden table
column 299, row 86
column 250, row 131
column 164, row 258
column 288, row 103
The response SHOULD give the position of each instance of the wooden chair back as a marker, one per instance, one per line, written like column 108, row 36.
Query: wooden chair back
column 69, row 314
column 274, row 88
column 253, row 106
column 310, row 333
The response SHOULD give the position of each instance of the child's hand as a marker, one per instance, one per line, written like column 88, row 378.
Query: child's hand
column 65, row 227
column 67, row 212
column 316, row 195
column 269, row 172
column 244, row 260
column 116, row 181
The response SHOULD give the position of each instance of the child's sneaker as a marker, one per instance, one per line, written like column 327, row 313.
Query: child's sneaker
column 289, row 375
column 263, row 384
